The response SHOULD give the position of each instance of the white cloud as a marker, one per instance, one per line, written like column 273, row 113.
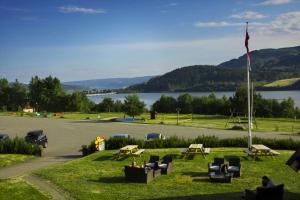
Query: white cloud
column 248, row 15
column 173, row 4
column 224, row 24
column 274, row 2
column 76, row 9
column 284, row 23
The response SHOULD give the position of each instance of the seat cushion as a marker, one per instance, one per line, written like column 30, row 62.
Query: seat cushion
column 163, row 166
column 233, row 168
column 214, row 167
column 150, row 165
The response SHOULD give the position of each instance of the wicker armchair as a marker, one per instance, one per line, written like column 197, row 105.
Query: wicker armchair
column 216, row 166
column 234, row 167
column 166, row 165
column 152, row 161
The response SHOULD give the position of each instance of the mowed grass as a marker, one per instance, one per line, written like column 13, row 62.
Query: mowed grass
column 18, row 189
column 283, row 82
column 202, row 121
column 286, row 125
column 10, row 159
column 98, row 176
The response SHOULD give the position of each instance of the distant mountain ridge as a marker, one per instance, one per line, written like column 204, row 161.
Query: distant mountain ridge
column 267, row 65
column 108, row 83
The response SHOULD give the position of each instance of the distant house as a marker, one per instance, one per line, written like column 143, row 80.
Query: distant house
column 28, row 109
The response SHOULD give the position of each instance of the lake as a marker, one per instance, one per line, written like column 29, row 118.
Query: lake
column 150, row 98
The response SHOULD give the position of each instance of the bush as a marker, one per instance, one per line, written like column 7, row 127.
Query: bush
column 207, row 141
column 19, row 146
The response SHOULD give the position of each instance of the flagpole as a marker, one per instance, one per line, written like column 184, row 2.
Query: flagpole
column 249, row 107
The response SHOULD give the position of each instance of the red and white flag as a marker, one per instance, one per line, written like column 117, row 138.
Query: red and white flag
column 247, row 47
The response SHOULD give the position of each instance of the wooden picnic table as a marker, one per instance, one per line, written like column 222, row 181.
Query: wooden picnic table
column 131, row 150
column 261, row 150
column 196, row 149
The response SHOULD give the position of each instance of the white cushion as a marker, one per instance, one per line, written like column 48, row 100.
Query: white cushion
column 233, row 168
column 150, row 164
column 163, row 166
column 214, row 167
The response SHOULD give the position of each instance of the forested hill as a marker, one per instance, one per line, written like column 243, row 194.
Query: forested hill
column 267, row 65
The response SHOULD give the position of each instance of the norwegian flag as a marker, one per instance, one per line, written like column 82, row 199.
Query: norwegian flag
column 247, row 47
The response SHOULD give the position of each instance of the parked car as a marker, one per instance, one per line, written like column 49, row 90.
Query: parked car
column 153, row 136
column 37, row 137
column 125, row 136
column 3, row 137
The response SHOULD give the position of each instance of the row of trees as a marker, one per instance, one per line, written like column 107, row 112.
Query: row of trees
column 48, row 95
column 236, row 105
column 42, row 94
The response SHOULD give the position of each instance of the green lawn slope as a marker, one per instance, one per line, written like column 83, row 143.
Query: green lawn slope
column 98, row 176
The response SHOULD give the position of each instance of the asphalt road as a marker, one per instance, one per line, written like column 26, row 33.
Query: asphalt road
column 66, row 136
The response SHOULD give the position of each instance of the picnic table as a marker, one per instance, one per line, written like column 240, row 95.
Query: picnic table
column 196, row 149
column 261, row 150
column 129, row 150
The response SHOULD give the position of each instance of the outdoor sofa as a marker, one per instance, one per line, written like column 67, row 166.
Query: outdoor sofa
column 138, row 174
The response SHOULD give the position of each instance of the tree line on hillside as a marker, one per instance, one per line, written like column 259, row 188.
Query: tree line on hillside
column 235, row 105
column 47, row 95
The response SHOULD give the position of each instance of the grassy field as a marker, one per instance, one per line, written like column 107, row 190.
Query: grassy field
column 10, row 159
column 18, row 189
column 282, row 83
column 98, row 176
column 202, row 121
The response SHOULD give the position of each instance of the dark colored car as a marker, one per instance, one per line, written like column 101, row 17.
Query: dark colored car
column 153, row 136
column 37, row 137
column 123, row 136
column 3, row 137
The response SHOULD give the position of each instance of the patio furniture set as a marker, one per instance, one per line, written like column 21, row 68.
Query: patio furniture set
column 150, row 170
column 220, row 172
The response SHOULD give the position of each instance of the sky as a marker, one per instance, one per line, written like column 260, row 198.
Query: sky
column 91, row 39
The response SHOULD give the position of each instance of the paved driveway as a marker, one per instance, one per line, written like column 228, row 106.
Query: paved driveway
column 66, row 136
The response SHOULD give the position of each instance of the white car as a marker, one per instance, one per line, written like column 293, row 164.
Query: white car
column 153, row 136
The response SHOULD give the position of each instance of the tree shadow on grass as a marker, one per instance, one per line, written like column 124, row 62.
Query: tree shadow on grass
column 220, row 196
column 115, row 179
column 103, row 158
column 68, row 156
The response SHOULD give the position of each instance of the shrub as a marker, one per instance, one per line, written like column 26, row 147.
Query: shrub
column 19, row 146
column 207, row 141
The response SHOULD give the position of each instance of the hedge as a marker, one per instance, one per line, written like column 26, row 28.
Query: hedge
column 19, row 146
column 207, row 141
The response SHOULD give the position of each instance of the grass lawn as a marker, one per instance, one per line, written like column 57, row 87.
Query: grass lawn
column 99, row 177
column 10, row 159
column 202, row 121
column 18, row 189
column 283, row 82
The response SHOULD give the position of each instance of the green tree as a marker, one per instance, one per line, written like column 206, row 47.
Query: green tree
column 17, row 96
column 4, row 89
column 133, row 106
column 184, row 102
column 107, row 104
column 166, row 104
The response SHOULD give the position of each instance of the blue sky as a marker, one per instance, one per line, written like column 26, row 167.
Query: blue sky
column 89, row 39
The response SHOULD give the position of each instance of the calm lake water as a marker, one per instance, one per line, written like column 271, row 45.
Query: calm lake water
column 150, row 98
